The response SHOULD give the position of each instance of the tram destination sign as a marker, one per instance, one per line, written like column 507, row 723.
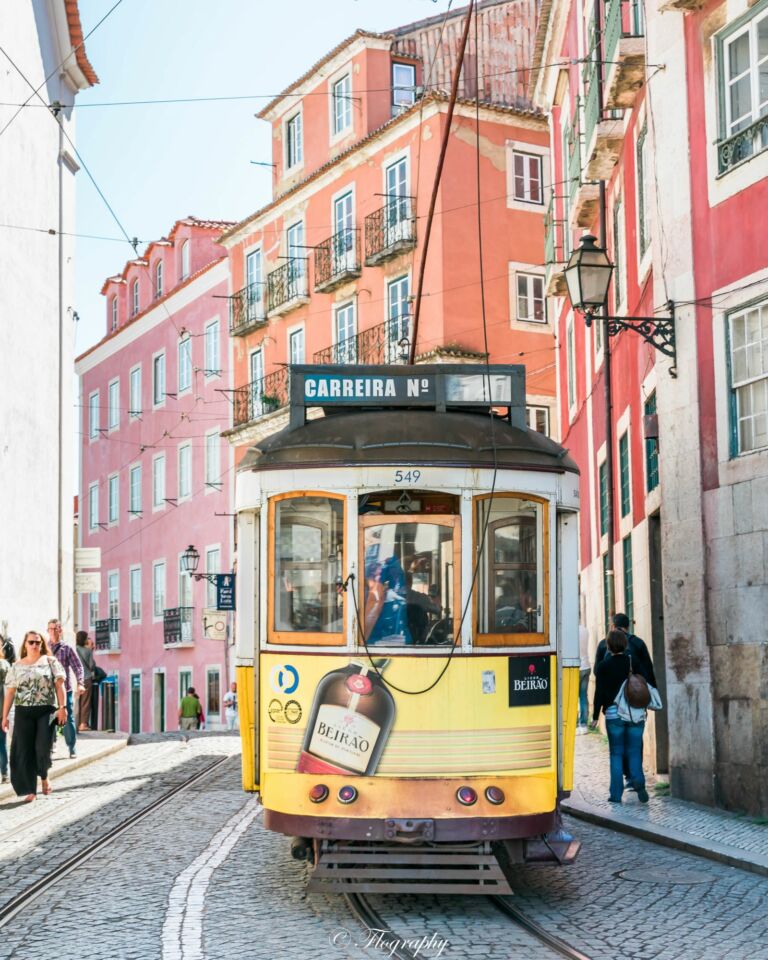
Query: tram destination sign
column 350, row 388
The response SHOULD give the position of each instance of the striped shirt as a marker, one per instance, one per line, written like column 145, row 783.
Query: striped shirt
column 69, row 659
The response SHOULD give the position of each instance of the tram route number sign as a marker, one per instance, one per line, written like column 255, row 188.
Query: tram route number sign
column 326, row 388
column 529, row 681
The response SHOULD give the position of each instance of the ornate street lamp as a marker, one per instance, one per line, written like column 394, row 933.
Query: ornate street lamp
column 587, row 276
column 190, row 560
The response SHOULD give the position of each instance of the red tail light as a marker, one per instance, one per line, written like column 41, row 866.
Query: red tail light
column 318, row 793
column 494, row 795
column 466, row 796
column 347, row 794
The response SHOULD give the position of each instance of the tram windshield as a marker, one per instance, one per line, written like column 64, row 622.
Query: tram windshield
column 410, row 572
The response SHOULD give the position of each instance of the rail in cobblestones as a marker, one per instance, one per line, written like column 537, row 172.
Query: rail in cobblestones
column 519, row 916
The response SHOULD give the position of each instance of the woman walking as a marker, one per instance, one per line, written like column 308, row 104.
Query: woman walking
column 625, row 738
column 35, row 686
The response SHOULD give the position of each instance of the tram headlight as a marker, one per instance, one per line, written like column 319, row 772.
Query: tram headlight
column 347, row 794
column 494, row 795
column 318, row 793
column 466, row 796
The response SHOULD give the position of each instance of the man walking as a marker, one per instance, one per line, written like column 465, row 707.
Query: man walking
column 71, row 663
column 230, row 706
column 190, row 710
column 86, row 658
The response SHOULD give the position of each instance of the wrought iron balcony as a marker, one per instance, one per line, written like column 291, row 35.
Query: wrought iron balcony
column 337, row 260
column 177, row 625
column 107, row 634
column 390, row 231
column 246, row 309
column 623, row 52
column 287, row 286
column 386, row 343
column 261, row 397
column 742, row 145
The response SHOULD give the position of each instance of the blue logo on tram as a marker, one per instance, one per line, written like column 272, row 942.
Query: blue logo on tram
column 284, row 678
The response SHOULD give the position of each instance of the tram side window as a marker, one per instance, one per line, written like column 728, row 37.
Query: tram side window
column 510, row 577
column 309, row 543
column 410, row 581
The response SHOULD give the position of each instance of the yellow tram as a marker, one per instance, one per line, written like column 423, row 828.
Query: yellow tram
column 407, row 625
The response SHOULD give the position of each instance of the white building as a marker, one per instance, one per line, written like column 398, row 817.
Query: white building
column 44, row 40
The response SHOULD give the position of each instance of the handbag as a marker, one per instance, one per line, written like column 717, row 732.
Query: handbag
column 626, row 710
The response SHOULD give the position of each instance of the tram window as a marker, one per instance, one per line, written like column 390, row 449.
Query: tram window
column 307, row 561
column 411, row 580
column 510, row 591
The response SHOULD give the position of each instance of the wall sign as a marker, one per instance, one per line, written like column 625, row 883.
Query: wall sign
column 225, row 591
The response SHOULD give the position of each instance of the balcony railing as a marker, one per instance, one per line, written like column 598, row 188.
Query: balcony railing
column 555, row 254
column 742, row 145
column 337, row 260
column 287, row 285
column 390, row 230
column 591, row 100
column 107, row 634
column 574, row 157
column 177, row 625
column 261, row 397
column 623, row 52
column 386, row 343
column 246, row 309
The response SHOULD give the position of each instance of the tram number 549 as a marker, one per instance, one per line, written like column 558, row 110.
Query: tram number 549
column 407, row 476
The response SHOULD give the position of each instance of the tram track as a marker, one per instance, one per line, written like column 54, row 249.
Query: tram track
column 17, row 903
column 503, row 905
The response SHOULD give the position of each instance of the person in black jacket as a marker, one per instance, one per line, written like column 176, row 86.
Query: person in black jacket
column 625, row 739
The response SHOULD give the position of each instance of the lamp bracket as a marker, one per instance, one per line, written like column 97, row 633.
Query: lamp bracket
column 210, row 577
column 658, row 331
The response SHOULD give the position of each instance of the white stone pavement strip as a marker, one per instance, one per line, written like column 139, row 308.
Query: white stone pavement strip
column 183, row 927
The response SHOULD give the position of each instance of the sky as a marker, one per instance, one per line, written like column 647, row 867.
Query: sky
column 157, row 163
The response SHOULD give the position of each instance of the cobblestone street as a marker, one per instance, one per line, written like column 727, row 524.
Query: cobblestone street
column 201, row 878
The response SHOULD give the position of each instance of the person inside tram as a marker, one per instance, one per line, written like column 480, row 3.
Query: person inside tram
column 385, row 603
column 513, row 604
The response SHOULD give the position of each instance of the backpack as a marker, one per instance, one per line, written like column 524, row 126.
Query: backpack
column 636, row 691
column 7, row 651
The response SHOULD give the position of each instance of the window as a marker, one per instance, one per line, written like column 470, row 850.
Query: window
column 571, row 367
column 744, row 89
column 296, row 346
column 530, row 298
column 113, row 409
column 642, row 164
column 403, row 86
column 651, row 448
column 397, row 223
column 212, row 359
column 606, row 595
column 185, row 364
column 618, row 254
column 629, row 598
column 603, row 480
column 212, row 564
column 308, row 549
column 624, row 479
column 538, row 419
column 566, row 193
column 294, row 148
column 526, row 177
column 344, row 334
column 113, row 493
column 296, row 255
column 213, row 693
column 343, row 254
column 113, row 307
column 212, row 470
column 185, row 260
column 510, row 577
column 134, row 593
column 158, row 588
column 93, row 507
column 185, row 471
column 134, row 401
column 93, row 609
column 255, row 288
column 257, row 383
column 398, row 314
column 748, row 335
column 93, row 415
column 185, row 682
column 597, row 326
column 158, row 279
column 185, row 588
column 158, row 379
column 134, row 490
column 342, row 104
column 113, row 594
column 135, row 298
column 158, row 481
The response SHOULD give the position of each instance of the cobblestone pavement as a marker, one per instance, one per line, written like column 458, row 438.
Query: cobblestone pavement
column 702, row 824
column 200, row 879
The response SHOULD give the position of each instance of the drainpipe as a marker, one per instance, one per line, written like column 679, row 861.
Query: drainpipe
column 59, row 540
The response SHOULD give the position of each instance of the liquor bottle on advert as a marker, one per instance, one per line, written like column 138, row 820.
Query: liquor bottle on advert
column 350, row 721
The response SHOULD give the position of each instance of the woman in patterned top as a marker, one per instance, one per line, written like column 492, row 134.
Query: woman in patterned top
column 35, row 686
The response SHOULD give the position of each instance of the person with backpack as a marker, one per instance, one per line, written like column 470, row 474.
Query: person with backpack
column 625, row 737
column 7, row 650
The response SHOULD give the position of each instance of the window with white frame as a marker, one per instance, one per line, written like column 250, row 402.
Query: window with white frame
column 642, row 174
column 159, row 279
column 212, row 468
column 113, row 409
column 212, row 564
column 185, row 471
column 297, row 255
column 398, row 318
column 344, row 333
column 748, row 340
column 93, row 507
column 212, row 358
column 342, row 104
column 93, row 609
column 570, row 364
column 134, row 593
column 114, row 313
column 403, row 85
column 158, row 588
column 113, row 498
column 158, row 379
column 296, row 346
column 134, row 489
column 93, row 415
column 185, row 364
column 113, row 594
column 135, row 298
column 526, row 177
column 538, row 419
column 158, row 481
column 530, row 306
column 185, row 586
column 185, row 260
column 185, row 681
column 254, row 286
column 618, row 253
column 743, row 58
column 256, row 362
column 294, row 147
column 134, row 390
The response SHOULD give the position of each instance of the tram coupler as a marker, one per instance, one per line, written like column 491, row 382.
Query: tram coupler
column 301, row 848
column 558, row 846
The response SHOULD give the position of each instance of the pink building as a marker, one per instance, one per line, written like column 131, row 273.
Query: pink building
column 155, row 475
